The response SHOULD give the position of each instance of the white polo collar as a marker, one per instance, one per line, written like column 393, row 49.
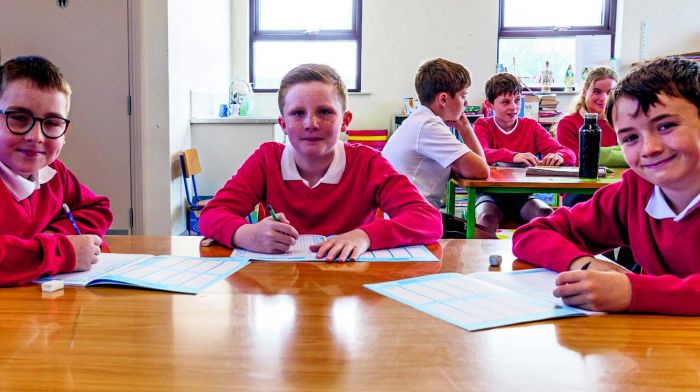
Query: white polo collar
column 503, row 130
column 658, row 208
column 20, row 187
column 290, row 172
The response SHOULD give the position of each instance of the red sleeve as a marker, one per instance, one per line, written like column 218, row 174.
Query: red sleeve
column 587, row 229
column 412, row 220
column 667, row 294
column 91, row 212
column 567, row 135
column 25, row 260
column 545, row 144
column 484, row 133
column 226, row 212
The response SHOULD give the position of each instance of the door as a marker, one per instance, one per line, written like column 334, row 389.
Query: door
column 88, row 41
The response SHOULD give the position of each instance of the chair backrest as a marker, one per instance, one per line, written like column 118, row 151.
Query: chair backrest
column 190, row 161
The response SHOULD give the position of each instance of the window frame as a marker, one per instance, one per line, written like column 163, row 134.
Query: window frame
column 255, row 35
column 608, row 27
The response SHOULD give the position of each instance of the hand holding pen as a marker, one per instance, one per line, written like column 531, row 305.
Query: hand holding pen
column 274, row 234
column 86, row 247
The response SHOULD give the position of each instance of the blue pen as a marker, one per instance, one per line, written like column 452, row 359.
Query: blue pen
column 71, row 219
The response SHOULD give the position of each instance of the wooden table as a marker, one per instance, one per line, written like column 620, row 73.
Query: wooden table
column 514, row 180
column 312, row 326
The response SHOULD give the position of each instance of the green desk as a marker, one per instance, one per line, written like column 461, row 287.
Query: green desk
column 514, row 180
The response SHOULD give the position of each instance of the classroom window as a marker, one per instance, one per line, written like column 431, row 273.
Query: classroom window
column 284, row 34
column 580, row 33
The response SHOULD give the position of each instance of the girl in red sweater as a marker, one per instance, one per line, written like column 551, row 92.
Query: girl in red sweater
column 654, row 210
column 36, row 236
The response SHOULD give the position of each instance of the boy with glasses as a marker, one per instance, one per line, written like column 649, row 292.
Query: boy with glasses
column 36, row 236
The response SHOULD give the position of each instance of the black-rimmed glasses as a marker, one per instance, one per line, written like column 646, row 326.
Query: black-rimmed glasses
column 19, row 123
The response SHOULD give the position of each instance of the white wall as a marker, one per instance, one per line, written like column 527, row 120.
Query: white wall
column 199, row 45
column 673, row 27
column 397, row 36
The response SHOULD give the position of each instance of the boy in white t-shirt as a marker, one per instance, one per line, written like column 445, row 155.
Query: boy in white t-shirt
column 423, row 147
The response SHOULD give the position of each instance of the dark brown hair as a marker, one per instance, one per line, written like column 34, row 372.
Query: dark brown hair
column 673, row 76
column 305, row 73
column 440, row 75
column 500, row 84
column 38, row 70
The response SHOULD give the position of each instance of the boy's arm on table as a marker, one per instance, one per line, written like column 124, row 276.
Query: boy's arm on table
column 483, row 133
column 545, row 144
column 24, row 260
column 226, row 212
column 586, row 229
column 91, row 212
column 412, row 220
column 473, row 163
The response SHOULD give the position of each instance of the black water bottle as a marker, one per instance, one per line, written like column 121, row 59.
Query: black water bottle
column 589, row 146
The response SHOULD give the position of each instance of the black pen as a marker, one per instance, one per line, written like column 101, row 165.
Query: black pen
column 585, row 266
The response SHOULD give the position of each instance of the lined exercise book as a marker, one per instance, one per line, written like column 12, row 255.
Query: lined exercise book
column 182, row 274
column 300, row 252
column 482, row 300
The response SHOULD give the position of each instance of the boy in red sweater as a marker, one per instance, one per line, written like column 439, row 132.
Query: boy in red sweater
column 507, row 138
column 36, row 236
column 655, row 111
column 318, row 184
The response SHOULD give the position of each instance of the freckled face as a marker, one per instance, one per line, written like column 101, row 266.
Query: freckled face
column 313, row 118
column 26, row 154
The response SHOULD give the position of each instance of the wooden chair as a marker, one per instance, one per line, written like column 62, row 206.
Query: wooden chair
column 189, row 163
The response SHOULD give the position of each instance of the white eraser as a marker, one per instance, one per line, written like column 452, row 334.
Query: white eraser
column 52, row 285
column 495, row 260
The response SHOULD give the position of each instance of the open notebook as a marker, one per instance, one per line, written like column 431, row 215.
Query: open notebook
column 182, row 274
column 482, row 300
column 300, row 252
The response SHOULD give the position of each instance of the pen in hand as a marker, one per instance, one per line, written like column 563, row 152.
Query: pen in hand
column 585, row 266
column 71, row 219
column 272, row 213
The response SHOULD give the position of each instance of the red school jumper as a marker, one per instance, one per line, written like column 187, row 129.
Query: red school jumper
column 616, row 216
column 25, row 252
column 527, row 136
column 368, row 182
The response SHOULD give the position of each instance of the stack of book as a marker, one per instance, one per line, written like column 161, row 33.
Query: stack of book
column 472, row 110
column 548, row 109
column 375, row 138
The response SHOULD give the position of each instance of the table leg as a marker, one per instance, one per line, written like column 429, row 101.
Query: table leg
column 471, row 212
column 450, row 202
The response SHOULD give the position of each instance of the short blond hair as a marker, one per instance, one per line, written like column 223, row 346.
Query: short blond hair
column 305, row 73
column 596, row 74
